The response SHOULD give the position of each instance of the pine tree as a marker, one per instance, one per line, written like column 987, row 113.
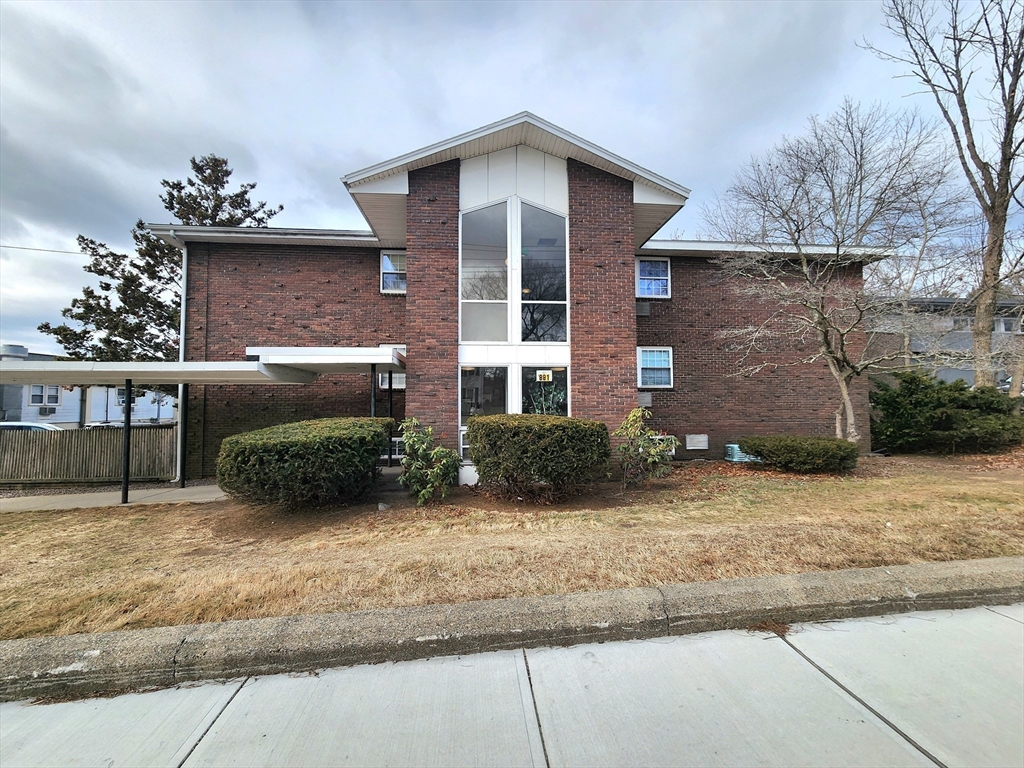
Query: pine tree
column 134, row 316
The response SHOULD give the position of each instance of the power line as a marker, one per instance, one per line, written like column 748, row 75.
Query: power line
column 42, row 250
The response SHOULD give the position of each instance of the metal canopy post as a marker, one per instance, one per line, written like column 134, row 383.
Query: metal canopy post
column 183, row 432
column 373, row 389
column 391, row 443
column 126, row 443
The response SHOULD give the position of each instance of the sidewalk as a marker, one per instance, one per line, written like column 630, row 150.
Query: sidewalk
column 195, row 494
column 919, row 689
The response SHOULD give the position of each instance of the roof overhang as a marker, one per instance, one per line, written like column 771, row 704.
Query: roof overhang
column 272, row 365
column 179, row 235
column 380, row 191
column 709, row 249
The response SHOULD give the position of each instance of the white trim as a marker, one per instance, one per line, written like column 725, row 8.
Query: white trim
column 636, row 276
column 710, row 248
column 392, row 291
column 585, row 151
column 671, row 368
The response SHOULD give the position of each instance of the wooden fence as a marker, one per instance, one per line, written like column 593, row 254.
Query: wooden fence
column 86, row 455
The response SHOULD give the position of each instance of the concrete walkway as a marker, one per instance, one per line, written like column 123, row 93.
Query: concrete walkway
column 919, row 689
column 194, row 494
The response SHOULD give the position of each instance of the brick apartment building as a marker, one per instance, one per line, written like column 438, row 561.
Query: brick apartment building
column 513, row 267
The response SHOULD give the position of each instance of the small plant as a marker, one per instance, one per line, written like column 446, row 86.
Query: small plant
column 427, row 471
column 799, row 453
column 644, row 453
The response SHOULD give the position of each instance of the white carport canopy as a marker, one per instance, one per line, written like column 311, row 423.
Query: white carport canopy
column 264, row 365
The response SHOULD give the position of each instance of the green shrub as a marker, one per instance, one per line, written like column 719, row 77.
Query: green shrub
column 537, row 456
column 305, row 463
column 794, row 453
column 427, row 471
column 922, row 413
column 644, row 453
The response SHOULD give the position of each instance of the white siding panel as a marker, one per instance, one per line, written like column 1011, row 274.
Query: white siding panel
column 530, row 174
column 473, row 182
column 556, row 184
column 501, row 175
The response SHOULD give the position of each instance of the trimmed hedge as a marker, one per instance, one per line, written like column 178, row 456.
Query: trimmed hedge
column 922, row 413
column 311, row 463
column 806, row 455
column 537, row 456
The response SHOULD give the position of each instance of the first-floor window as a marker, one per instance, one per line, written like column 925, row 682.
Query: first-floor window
column 654, row 367
column 545, row 391
column 44, row 394
column 120, row 396
column 392, row 272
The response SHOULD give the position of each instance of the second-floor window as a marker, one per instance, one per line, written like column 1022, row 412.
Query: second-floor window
column 653, row 278
column 392, row 272
column 514, row 271
column 654, row 367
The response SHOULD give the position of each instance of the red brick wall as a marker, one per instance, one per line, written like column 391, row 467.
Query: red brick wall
column 432, row 299
column 601, row 295
column 281, row 296
column 706, row 398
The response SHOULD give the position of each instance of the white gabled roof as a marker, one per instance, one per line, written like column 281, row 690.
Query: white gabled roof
column 380, row 190
column 524, row 128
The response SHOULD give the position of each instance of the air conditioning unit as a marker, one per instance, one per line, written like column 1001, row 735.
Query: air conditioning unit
column 659, row 438
column 643, row 309
column 733, row 453
column 47, row 410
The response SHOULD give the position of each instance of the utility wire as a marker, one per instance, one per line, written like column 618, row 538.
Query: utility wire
column 43, row 250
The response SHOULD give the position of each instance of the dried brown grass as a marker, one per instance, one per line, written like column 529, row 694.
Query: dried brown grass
column 64, row 572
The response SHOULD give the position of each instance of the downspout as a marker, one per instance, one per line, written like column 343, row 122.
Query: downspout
column 182, row 388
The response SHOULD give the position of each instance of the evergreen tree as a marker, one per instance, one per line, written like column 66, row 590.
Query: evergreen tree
column 135, row 314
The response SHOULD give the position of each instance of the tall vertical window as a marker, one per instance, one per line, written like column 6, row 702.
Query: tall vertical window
column 654, row 367
column 543, row 275
column 485, row 274
column 653, row 278
column 392, row 272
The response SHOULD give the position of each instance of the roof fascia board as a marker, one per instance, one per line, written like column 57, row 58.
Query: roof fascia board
column 178, row 235
column 401, row 162
column 704, row 248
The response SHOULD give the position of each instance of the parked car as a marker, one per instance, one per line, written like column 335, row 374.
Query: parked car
column 28, row 426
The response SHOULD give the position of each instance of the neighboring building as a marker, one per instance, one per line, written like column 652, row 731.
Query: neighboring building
column 939, row 332
column 71, row 407
column 515, row 266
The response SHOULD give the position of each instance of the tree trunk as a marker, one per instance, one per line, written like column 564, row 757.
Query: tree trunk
column 851, row 420
column 992, row 262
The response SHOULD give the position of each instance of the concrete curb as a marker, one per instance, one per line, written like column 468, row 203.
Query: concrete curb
column 84, row 664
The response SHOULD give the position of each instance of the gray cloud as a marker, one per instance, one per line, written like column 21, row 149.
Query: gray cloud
column 101, row 101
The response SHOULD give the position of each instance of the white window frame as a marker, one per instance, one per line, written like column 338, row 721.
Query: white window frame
column 392, row 291
column 1002, row 322
column 636, row 277
column 397, row 379
column 513, row 329
column 671, row 368
column 49, row 390
column 119, row 396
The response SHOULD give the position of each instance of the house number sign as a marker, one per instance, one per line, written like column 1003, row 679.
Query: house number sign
column 544, row 376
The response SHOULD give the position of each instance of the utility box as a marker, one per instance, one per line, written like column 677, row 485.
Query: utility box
column 733, row 453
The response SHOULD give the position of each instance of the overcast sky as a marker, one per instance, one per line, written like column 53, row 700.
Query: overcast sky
column 100, row 101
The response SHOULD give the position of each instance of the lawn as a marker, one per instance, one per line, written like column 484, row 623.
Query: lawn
column 64, row 572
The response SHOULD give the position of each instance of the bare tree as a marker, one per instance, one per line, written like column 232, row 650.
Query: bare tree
column 969, row 57
column 806, row 217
